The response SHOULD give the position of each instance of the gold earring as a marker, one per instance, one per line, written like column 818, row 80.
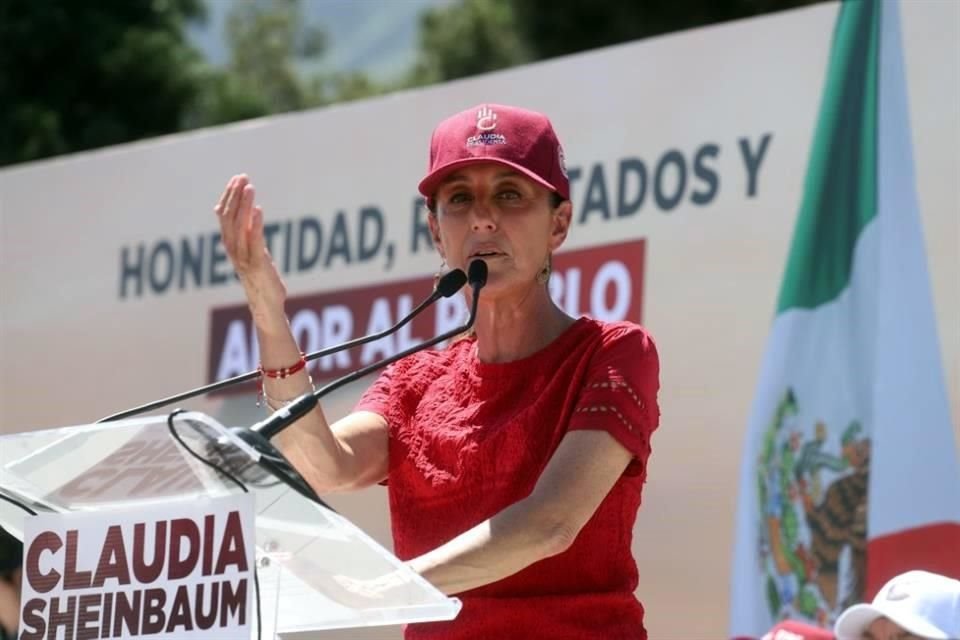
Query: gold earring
column 440, row 272
column 543, row 276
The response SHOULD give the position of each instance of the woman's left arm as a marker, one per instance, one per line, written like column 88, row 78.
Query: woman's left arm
column 578, row 477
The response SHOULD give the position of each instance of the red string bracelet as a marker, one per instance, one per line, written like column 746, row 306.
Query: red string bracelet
column 280, row 374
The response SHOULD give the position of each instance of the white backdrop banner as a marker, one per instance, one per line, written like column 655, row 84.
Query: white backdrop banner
column 687, row 155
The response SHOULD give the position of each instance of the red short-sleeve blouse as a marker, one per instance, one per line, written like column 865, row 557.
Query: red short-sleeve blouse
column 468, row 439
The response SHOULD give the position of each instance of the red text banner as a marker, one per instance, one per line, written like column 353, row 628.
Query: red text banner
column 604, row 282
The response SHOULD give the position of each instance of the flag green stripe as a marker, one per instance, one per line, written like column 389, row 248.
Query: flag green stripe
column 840, row 193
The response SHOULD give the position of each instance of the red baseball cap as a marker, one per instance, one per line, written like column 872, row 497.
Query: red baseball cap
column 521, row 139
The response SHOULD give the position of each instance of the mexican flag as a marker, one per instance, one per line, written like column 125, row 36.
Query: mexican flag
column 850, row 472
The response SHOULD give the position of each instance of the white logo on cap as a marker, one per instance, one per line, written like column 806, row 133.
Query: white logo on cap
column 486, row 119
column 563, row 163
column 900, row 590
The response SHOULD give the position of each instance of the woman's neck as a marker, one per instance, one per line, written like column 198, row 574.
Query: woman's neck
column 509, row 330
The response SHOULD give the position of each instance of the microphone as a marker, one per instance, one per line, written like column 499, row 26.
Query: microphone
column 477, row 275
column 446, row 286
column 284, row 417
column 258, row 436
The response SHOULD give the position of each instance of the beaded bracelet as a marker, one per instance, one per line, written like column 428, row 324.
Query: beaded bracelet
column 283, row 372
column 275, row 403
column 278, row 374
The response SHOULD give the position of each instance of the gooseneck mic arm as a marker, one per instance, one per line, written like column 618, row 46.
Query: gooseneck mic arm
column 448, row 285
column 284, row 417
column 273, row 461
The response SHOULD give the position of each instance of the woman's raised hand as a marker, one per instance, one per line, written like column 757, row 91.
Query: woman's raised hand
column 241, row 228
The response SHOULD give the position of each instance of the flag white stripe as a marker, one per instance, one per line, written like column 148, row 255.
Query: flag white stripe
column 914, row 447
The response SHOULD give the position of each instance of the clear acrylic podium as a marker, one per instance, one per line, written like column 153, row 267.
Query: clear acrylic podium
column 316, row 569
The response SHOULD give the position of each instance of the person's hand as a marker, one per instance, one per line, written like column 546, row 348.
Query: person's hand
column 10, row 602
column 241, row 228
column 371, row 593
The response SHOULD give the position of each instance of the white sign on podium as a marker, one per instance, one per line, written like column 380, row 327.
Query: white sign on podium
column 178, row 568
column 316, row 569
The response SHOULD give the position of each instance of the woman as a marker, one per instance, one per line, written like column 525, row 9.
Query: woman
column 515, row 456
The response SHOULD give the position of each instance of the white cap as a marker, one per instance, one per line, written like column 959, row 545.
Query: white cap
column 923, row 603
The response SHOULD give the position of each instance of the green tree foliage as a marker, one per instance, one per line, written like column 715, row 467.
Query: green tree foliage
column 570, row 26
column 475, row 36
column 79, row 75
column 467, row 38
column 270, row 42
column 266, row 39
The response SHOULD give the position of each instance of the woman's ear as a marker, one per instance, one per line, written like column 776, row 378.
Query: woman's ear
column 435, row 233
column 560, row 224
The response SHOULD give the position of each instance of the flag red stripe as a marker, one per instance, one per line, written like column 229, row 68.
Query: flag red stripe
column 934, row 547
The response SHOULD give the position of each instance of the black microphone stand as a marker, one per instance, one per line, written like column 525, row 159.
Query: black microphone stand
column 258, row 436
column 449, row 284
